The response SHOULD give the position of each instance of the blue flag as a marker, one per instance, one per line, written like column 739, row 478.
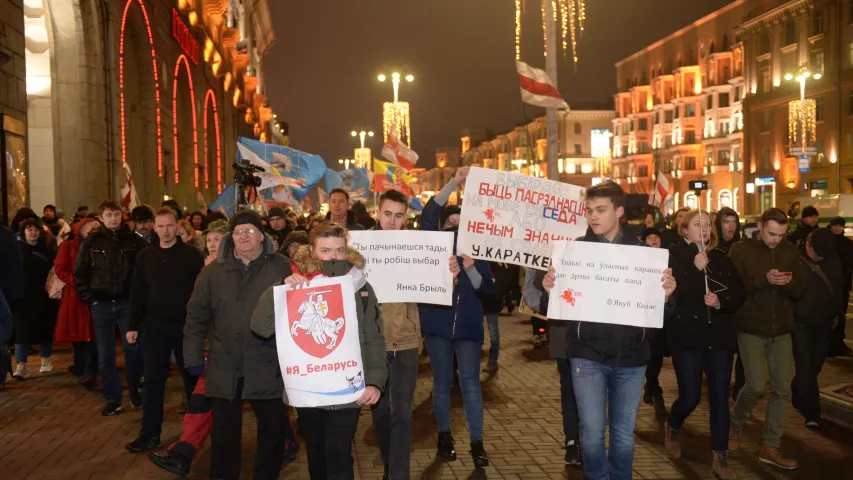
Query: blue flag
column 297, row 171
column 226, row 202
column 356, row 181
column 416, row 204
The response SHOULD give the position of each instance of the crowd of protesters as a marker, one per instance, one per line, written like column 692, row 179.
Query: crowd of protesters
column 193, row 292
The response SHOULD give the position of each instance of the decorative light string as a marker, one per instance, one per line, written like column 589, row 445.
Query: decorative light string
column 518, row 29
column 210, row 99
column 569, row 14
column 182, row 60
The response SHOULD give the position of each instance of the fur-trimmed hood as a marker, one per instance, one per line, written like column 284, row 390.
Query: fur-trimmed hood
column 352, row 264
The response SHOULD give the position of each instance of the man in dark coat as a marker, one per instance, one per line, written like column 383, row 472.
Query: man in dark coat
column 837, row 347
column 813, row 319
column 239, row 368
column 279, row 225
column 807, row 225
column 339, row 212
column 102, row 278
column 728, row 229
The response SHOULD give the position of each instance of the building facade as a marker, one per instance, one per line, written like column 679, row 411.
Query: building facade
column 161, row 87
column 718, row 99
column 13, row 109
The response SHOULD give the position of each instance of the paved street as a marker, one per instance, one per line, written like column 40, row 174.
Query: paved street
column 50, row 429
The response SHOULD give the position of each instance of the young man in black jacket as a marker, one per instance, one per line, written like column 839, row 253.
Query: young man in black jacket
column 837, row 347
column 813, row 318
column 162, row 285
column 608, row 360
column 102, row 278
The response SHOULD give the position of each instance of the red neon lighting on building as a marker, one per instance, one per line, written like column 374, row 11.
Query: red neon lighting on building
column 182, row 60
column 156, row 86
column 181, row 32
column 210, row 98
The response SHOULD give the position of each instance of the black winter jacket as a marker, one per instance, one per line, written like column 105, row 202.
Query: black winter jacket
column 845, row 253
column 801, row 233
column 824, row 299
column 105, row 264
column 693, row 324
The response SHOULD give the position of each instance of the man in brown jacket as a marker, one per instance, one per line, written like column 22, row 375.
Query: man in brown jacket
column 392, row 418
column 771, row 271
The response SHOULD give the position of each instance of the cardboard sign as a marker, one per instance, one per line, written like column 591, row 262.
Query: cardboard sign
column 317, row 336
column 605, row 283
column 407, row 265
column 513, row 218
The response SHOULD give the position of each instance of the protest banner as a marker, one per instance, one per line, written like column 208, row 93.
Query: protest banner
column 604, row 283
column 513, row 218
column 407, row 265
column 317, row 337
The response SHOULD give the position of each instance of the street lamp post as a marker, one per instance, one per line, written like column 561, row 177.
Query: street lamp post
column 362, row 155
column 345, row 162
column 518, row 163
column 362, row 135
column 806, row 124
column 396, row 78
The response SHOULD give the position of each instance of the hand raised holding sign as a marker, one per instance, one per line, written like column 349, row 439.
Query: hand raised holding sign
column 668, row 283
column 467, row 261
column 297, row 280
column 550, row 278
column 461, row 174
column 454, row 266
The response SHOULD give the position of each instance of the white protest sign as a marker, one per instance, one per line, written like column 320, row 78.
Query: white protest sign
column 317, row 337
column 605, row 283
column 407, row 265
column 513, row 218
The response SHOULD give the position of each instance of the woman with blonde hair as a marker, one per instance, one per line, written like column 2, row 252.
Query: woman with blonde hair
column 188, row 235
column 702, row 332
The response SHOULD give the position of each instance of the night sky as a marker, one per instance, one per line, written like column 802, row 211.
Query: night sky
column 321, row 72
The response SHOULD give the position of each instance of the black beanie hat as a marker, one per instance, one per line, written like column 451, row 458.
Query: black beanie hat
column 823, row 242
column 650, row 231
column 810, row 211
column 247, row 216
column 448, row 211
column 838, row 221
column 276, row 212
column 142, row 213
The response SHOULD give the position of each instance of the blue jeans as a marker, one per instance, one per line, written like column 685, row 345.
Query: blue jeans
column 494, row 337
column 598, row 385
column 21, row 351
column 717, row 365
column 107, row 315
column 441, row 352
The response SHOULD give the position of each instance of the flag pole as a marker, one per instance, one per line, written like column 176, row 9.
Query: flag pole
column 551, row 69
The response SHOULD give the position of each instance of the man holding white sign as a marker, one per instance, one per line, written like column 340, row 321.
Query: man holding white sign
column 516, row 219
column 608, row 359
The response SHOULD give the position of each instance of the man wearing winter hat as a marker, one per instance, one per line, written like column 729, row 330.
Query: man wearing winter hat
column 813, row 319
column 292, row 242
column 143, row 221
column 279, row 226
column 837, row 347
column 239, row 366
column 807, row 225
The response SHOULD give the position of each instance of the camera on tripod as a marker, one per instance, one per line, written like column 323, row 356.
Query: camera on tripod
column 245, row 174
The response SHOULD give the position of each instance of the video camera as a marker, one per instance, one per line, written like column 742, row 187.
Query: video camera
column 245, row 174
column 698, row 185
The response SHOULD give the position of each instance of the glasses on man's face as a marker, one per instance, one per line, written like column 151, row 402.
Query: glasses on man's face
column 244, row 231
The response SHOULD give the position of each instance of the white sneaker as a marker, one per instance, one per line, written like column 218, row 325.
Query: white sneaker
column 46, row 366
column 20, row 372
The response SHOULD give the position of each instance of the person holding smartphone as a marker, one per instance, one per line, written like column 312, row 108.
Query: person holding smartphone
column 772, row 273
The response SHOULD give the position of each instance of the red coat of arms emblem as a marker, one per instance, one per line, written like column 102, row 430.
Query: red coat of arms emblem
column 316, row 319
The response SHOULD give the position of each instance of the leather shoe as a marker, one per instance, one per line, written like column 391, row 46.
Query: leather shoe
column 171, row 462
column 143, row 444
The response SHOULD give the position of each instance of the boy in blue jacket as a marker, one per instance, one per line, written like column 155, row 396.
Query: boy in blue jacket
column 456, row 329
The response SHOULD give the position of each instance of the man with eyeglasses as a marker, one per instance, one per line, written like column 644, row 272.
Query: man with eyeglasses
column 240, row 366
column 102, row 277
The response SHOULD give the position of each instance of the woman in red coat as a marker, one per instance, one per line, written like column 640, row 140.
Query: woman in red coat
column 74, row 323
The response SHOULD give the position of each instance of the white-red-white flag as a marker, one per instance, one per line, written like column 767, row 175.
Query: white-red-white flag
column 537, row 88
column 129, row 196
column 660, row 196
column 398, row 152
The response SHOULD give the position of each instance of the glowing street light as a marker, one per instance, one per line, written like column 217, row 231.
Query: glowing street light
column 395, row 80
column 362, row 135
column 345, row 162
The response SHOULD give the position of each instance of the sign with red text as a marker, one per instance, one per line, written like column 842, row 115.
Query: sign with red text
column 317, row 338
column 513, row 218
column 606, row 283
column 406, row 266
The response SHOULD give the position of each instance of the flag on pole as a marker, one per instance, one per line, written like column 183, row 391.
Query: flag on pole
column 387, row 176
column 537, row 88
column 397, row 152
column 297, row 171
column 660, row 196
column 226, row 202
column 128, row 191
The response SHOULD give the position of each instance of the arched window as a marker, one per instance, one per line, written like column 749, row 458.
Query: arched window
column 735, row 199
column 725, row 199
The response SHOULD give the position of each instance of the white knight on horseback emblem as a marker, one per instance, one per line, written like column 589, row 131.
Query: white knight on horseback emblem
column 313, row 320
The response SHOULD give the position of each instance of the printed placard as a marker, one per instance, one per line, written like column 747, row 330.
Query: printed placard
column 605, row 283
column 317, row 337
column 513, row 218
column 407, row 265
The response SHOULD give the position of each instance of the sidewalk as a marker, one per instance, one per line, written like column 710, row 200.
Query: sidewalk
column 50, row 428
